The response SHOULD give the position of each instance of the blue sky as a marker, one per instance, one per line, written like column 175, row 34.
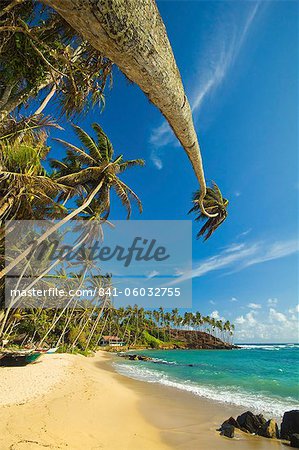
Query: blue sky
column 239, row 64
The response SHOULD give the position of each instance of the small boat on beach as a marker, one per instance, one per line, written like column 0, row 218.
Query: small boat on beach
column 16, row 359
column 47, row 350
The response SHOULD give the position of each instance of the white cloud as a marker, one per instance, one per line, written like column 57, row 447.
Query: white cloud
column 212, row 302
column 215, row 315
column 240, row 320
column 233, row 299
column 254, row 306
column 250, row 318
column 272, row 301
column 273, row 327
column 216, row 60
column 240, row 257
column 274, row 251
column 156, row 161
column 162, row 135
column 233, row 248
column 152, row 274
column 244, row 233
column 276, row 316
column 294, row 310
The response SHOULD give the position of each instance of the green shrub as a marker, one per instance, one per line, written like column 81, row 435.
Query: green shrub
column 151, row 340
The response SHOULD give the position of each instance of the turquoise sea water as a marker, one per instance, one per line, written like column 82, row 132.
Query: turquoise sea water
column 263, row 378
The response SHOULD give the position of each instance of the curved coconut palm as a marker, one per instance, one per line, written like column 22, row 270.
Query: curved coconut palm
column 93, row 164
column 214, row 203
column 131, row 33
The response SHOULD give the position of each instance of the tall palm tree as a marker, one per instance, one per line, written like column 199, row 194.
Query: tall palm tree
column 214, row 204
column 131, row 33
column 93, row 164
column 93, row 172
column 26, row 190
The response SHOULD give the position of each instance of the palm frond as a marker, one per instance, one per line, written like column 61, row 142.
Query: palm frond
column 88, row 142
column 91, row 174
column 133, row 195
column 214, row 203
column 33, row 126
column 86, row 158
column 122, row 194
column 104, row 144
column 133, row 163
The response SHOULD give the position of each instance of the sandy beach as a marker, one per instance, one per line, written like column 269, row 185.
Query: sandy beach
column 73, row 402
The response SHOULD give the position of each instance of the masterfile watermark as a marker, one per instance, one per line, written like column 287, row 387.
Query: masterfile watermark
column 140, row 250
column 126, row 262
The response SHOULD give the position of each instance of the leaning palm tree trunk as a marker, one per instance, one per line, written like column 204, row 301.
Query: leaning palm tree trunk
column 131, row 33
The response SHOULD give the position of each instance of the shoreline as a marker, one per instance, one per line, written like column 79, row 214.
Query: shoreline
column 91, row 406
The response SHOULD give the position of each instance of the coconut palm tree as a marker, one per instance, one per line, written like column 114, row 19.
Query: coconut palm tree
column 93, row 164
column 26, row 190
column 131, row 33
column 214, row 204
column 93, row 172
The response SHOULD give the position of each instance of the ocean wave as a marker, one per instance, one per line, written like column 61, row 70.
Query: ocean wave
column 162, row 361
column 267, row 346
column 257, row 403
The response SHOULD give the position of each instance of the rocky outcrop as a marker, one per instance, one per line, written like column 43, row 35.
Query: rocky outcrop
column 294, row 441
column 258, row 425
column 290, row 424
column 228, row 430
column 230, row 421
column 134, row 357
column 193, row 339
column 269, row 430
column 250, row 422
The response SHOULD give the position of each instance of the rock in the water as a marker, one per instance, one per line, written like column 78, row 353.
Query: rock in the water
column 269, row 430
column 250, row 422
column 230, row 421
column 294, row 440
column 290, row 424
column 228, row 430
column 134, row 357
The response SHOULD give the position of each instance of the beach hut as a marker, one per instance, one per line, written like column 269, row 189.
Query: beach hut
column 112, row 341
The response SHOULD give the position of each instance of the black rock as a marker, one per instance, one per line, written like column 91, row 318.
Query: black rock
column 294, row 440
column 269, row 430
column 250, row 422
column 134, row 357
column 230, row 421
column 290, row 424
column 228, row 430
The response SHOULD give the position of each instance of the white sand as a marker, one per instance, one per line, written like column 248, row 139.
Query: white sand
column 20, row 384
column 77, row 403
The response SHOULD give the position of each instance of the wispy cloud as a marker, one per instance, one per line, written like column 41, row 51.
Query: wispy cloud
column 216, row 60
column 244, row 233
column 242, row 256
column 254, row 305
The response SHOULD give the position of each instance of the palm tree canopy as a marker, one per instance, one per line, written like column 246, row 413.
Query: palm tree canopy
column 26, row 190
column 93, row 163
column 215, row 204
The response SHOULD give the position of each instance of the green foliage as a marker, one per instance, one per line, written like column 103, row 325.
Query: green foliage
column 39, row 49
column 76, row 333
column 151, row 341
column 85, row 167
column 214, row 204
